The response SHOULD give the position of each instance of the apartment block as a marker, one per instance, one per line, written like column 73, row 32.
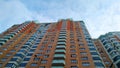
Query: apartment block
column 108, row 46
column 62, row 44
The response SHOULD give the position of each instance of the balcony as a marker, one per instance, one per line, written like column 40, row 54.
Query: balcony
column 3, row 40
column 62, row 37
column 10, row 35
column 63, row 32
column 61, row 43
column 7, row 37
column 1, row 43
column 57, row 66
column 61, row 40
column 61, row 47
column 58, row 63
column 59, row 56
column 11, row 65
column 60, row 51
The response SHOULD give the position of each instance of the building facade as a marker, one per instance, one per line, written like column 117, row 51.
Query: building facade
column 110, row 46
column 62, row 44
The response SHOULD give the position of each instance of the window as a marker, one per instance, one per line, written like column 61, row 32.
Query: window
column 4, row 48
column 44, row 61
column 84, row 58
column 72, row 50
column 26, row 59
column 72, row 46
column 34, row 47
column 73, row 55
column 46, row 56
column 85, row 64
column 9, row 65
column 36, row 43
column 48, row 51
column 42, row 46
column 99, row 64
column 12, row 51
column 34, row 64
column 82, row 48
column 13, row 59
column 90, row 44
column 94, row 53
column 83, row 53
column 81, row 44
column 116, row 58
column 49, row 47
column 3, row 59
column 74, row 61
column 96, row 58
column 71, row 41
column 36, row 59
column 8, row 54
column 107, row 62
column 41, row 50
column 29, row 54
column 23, row 51
column 110, row 49
column 38, row 54
column 23, row 64
column 104, row 57
column 113, row 53
column 32, row 50
column 92, row 48
column 19, row 55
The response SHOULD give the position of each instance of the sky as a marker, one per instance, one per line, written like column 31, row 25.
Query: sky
column 100, row 16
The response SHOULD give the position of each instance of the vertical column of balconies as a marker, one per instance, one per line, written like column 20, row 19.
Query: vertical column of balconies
column 31, row 59
column 82, row 55
column 15, row 60
column 32, row 44
column 60, row 51
column 95, row 55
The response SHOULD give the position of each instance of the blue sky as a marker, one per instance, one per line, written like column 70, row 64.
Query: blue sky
column 100, row 16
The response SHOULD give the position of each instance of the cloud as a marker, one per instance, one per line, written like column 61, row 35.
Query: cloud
column 100, row 16
column 12, row 12
column 15, row 12
column 105, row 20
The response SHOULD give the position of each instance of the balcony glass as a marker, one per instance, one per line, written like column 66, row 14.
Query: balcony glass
column 61, row 43
column 58, row 62
column 57, row 66
column 60, row 47
column 60, row 51
column 59, row 56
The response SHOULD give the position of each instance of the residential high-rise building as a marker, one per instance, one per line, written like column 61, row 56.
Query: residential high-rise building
column 62, row 44
column 108, row 46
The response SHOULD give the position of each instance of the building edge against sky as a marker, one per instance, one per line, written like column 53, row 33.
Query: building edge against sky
column 62, row 44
